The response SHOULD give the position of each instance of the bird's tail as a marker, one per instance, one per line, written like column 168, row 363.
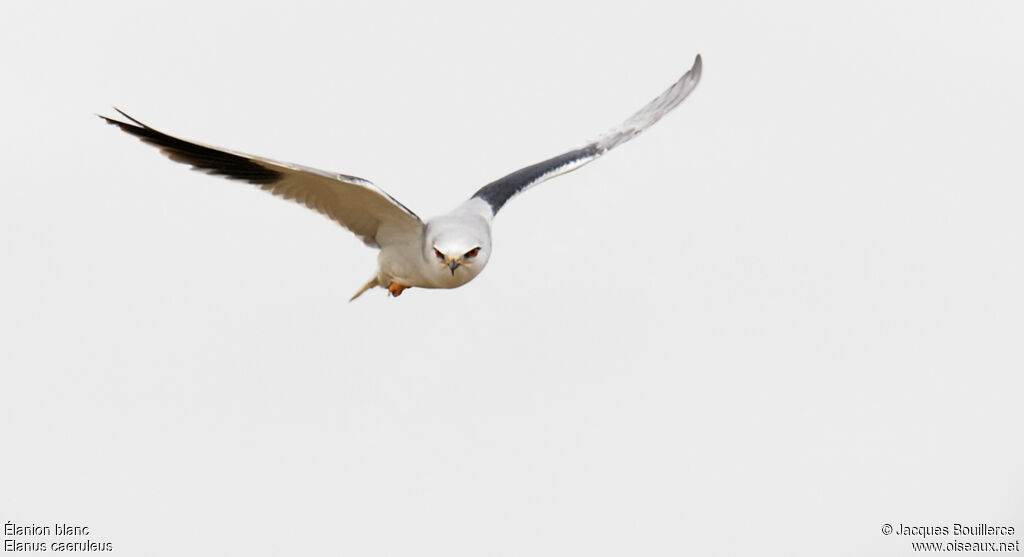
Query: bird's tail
column 373, row 282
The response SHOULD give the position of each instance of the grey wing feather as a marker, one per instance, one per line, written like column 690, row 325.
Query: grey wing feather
column 497, row 193
column 355, row 203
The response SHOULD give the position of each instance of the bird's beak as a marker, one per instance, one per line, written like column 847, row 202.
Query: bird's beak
column 453, row 264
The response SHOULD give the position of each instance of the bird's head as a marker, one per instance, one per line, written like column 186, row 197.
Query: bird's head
column 457, row 253
column 452, row 256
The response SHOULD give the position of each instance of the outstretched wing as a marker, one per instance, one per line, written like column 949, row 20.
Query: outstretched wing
column 352, row 202
column 497, row 193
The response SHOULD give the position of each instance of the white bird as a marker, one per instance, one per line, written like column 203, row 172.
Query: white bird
column 446, row 251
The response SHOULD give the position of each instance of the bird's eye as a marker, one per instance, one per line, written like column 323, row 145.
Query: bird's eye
column 438, row 253
column 473, row 252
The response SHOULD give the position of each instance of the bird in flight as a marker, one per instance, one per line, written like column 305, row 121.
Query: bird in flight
column 446, row 251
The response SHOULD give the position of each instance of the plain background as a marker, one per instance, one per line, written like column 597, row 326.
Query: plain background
column 787, row 314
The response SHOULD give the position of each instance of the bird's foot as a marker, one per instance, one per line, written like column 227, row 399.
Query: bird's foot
column 396, row 289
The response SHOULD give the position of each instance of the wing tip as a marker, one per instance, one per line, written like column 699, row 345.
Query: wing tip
column 132, row 123
column 697, row 68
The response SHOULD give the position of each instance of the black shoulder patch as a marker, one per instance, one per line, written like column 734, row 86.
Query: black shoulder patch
column 498, row 192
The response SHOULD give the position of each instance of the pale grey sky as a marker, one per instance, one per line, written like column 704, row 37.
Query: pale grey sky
column 786, row 315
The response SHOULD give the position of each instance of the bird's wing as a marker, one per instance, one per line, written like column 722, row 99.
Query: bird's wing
column 355, row 203
column 497, row 193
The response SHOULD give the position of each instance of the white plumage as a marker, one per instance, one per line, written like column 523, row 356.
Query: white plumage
column 444, row 252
